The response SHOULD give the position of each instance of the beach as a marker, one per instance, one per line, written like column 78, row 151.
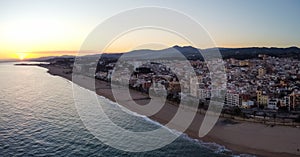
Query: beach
column 240, row 137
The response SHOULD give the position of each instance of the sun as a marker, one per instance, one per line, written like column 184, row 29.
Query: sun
column 21, row 55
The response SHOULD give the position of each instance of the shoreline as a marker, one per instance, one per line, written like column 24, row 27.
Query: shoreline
column 241, row 138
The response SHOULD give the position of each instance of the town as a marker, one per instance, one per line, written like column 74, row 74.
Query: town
column 265, row 87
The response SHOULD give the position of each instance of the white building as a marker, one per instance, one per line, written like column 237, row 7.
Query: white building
column 204, row 94
column 194, row 87
column 272, row 104
column 247, row 104
column 232, row 99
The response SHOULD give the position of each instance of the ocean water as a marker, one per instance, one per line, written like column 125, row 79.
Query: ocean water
column 38, row 118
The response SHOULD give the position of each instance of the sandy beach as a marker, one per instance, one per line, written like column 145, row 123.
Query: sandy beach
column 240, row 137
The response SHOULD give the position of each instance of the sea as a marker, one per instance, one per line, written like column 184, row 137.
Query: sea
column 38, row 118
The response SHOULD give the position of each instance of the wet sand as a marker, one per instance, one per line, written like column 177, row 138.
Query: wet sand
column 241, row 137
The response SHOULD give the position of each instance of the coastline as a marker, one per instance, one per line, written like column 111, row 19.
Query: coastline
column 241, row 138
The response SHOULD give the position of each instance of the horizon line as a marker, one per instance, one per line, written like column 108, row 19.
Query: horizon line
column 94, row 52
column 221, row 47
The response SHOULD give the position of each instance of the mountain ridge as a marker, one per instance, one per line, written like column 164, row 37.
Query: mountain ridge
column 193, row 53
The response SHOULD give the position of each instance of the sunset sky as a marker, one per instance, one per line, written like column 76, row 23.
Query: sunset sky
column 34, row 28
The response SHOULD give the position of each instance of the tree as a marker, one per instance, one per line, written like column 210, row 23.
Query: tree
column 244, row 115
column 201, row 105
column 297, row 119
column 254, row 114
column 265, row 115
column 274, row 116
column 237, row 111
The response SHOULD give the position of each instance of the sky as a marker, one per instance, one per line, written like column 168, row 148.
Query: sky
column 35, row 28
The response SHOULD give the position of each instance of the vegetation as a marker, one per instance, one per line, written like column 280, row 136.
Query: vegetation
column 297, row 119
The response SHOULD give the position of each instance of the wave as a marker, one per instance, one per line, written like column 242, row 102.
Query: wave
column 216, row 148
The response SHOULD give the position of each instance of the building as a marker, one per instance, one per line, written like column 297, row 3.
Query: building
column 245, row 101
column 204, row 94
column 286, row 101
column 194, row 87
column 247, row 104
column 294, row 100
column 243, row 63
column 174, row 87
column 232, row 99
column 272, row 104
column 261, row 72
column 146, row 85
column 262, row 98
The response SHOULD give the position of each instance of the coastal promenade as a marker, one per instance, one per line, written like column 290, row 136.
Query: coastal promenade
column 240, row 137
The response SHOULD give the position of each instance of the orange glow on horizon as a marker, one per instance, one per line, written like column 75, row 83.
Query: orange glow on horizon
column 31, row 55
column 21, row 56
column 117, row 47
